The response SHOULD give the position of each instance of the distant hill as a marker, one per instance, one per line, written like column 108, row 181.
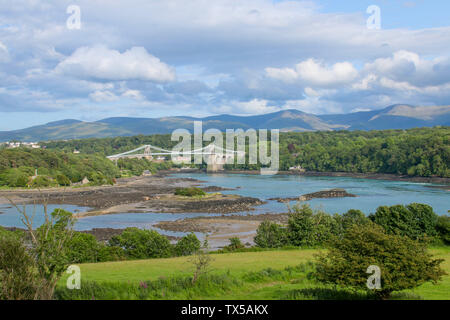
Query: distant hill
column 393, row 117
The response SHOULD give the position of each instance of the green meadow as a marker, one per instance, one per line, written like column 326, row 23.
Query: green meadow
column 273, row 274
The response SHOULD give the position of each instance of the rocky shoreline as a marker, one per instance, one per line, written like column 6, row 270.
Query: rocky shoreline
column 333, row 193
column 372, row 176
column 138, row 194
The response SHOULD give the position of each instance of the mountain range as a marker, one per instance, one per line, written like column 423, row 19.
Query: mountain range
column 392, row 117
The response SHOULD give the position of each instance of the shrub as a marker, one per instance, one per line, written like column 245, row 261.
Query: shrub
column 404, row 263
column 187, row 245
column 82, row 247
column 189, row 192
column 416, row 220
column 270, row 235
column 142, row 244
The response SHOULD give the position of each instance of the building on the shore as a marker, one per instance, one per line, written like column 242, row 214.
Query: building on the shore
column 297, row 169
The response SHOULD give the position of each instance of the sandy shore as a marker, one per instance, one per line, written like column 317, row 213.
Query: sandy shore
column 221, row 228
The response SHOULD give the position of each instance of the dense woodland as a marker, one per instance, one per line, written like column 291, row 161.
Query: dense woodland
column 415, row 152
column 17, row 168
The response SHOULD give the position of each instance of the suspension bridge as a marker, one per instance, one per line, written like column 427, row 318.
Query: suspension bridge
column 214, row 156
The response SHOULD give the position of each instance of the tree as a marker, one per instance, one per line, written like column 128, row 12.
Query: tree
column 443, row 229
column 352, row 217
column 404, row 263
column 62, row 180
column 415, row 220
column 46, row 249
column 201, row 261
column 235, row 244
column 82, row 247
column 187, row 245
column 142, row 244
column 41, row 181
column 270, row 235
column 307, row 227
column 17, row 269
column 49, row 249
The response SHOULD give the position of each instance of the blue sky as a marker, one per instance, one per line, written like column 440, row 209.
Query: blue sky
column 151, row 58
column 411, row 14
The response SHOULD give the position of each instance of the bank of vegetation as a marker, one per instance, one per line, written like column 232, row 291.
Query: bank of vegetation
column 36, row 168
column 18, row 168
column 423, row 152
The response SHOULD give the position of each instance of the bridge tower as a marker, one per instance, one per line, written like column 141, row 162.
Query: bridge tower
column 148, row 153
column 215, row 160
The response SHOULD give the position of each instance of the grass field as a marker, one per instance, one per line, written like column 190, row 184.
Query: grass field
column 245, row 277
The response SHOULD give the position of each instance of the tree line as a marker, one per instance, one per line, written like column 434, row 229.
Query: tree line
column 415, row 152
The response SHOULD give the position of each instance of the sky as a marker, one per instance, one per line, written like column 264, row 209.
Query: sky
column 148, row 58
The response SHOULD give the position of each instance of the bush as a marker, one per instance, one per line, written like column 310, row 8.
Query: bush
column 404, row 263
column 189, row 192
column 142, row 244
column 187, row 245
column 416, row 220
column 82, row 247
column 270, row 235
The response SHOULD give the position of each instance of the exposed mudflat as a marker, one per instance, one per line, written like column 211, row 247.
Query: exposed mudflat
column 138, row 194
column 221, row 228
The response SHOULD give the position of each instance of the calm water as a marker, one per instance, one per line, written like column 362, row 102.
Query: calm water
column 371, row 194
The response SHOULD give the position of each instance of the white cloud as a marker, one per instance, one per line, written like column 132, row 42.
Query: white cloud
column 254, row 106
column 316, row 74
column 103, row 96
column 220, row 50
column 133, row 94
column 102, row 63
column 4, row 53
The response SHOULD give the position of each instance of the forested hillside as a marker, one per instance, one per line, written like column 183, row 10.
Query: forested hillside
column 54, row 167
column 415, row 152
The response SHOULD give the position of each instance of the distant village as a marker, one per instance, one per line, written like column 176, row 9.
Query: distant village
column 17, row 144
